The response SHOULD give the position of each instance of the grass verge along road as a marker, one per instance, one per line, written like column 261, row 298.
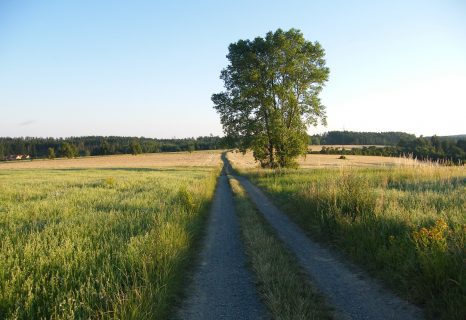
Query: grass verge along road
column 405, row 225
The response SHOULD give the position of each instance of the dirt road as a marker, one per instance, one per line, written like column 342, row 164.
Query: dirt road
column 223, row 286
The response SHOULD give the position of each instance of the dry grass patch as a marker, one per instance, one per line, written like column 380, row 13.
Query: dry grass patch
column 345, row 146
column 327, row 160
column 147, row 160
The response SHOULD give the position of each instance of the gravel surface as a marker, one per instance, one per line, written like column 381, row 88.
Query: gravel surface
column 222, row 287
column 348, row 290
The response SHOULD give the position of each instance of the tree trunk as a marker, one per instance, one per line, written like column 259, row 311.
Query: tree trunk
column 271, row 156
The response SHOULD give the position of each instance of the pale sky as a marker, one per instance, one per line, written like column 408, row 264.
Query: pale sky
column 149, row 68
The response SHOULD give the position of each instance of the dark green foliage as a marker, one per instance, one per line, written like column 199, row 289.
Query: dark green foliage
column 358, row 138
column 315, row 139
column 135, row 147
column 68, row 150
column 447, row 151
column 272, row 95
column 51, row 153
column 454, row 137
column 191, row 146
column 435, row 148
column 94, row 145
column 105, row 148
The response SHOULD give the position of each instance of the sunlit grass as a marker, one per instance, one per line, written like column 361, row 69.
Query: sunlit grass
column 98, row 243
column 406, row 225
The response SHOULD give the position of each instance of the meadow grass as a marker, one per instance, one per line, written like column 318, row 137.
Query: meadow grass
column 406, row 225
column 284, row 288
column 98, row 243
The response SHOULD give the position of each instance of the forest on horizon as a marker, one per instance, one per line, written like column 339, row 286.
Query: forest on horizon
column 448, row 148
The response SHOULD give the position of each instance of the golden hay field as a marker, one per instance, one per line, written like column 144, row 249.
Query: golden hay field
column 339, row 146
column 326, row 160
column 172, row 159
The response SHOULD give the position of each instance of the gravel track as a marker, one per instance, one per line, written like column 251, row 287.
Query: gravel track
column 222, row 286
column 347, row 289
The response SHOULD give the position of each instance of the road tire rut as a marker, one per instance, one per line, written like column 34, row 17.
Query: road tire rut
column 222, row 286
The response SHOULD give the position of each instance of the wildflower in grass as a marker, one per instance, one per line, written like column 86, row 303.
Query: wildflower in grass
column 434, row 237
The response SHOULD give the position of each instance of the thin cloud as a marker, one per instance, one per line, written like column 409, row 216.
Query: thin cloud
column 26, row 123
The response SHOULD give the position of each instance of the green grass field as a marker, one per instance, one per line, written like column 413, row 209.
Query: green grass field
column 406, row 225
column 106, row 243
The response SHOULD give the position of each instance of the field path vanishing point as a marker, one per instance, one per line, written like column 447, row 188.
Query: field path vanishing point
column 346, row 288
column 222, row 285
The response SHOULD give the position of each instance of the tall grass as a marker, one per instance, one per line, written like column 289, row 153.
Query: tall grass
column 98, row 243
column 405, row 225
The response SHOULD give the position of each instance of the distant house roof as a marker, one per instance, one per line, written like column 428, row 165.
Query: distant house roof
column 18, row 157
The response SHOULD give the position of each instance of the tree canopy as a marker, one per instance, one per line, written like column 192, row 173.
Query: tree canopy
column 272, row 95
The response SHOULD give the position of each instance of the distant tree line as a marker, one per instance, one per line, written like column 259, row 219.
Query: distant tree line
column 444, row 149
column 360, row 138
column 96, row 145
column 447, row 149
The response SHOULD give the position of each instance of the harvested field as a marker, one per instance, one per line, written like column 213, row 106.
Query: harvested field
column 148, row 160
column 327, row 160
column 339, row 146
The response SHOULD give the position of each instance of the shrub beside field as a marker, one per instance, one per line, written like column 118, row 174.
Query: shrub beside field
column 98, row 243
column 405, row 225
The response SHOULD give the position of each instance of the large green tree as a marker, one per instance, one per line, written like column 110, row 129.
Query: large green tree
column 272, row 95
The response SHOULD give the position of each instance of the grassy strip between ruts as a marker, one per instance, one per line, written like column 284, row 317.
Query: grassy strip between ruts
column 284, row 288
